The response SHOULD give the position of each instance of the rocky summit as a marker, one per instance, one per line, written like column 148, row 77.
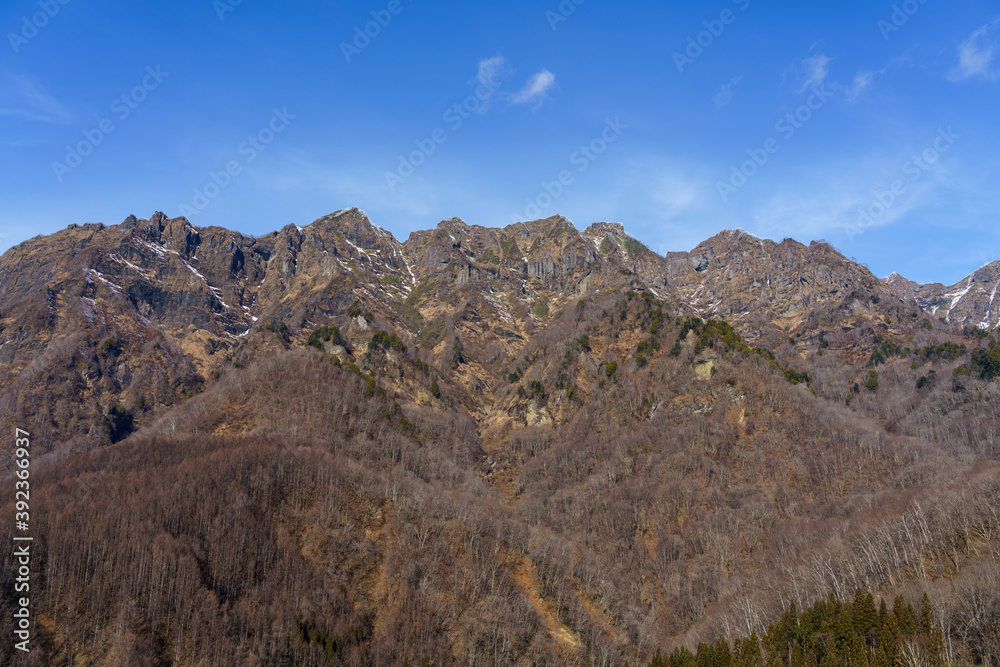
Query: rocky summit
column 972, row 302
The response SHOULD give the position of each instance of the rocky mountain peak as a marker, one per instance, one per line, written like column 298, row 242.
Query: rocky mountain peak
column 988, row 273
column 537, row 233
column 971, row 302
column 600, row 229
column 354, row 225
column 901, row 286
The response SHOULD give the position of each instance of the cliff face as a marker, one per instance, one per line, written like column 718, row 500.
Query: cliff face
column 105, row 321
column 971, row 302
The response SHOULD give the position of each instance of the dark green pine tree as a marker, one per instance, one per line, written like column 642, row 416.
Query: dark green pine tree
column 843, row 631
column 833, row 608
column 769, row 647
column 888, row 635
column 888, row 631
column 300, row 632
column 749, row 653
column 883, row 614
column 884, row 655
column 905, row 618
column 681, row 657
column 926, row 616
column 865, row 616
column 832, row 658
column 935, row 648
column 705, row 656
column 788, row 633
column 723, row 656
column 331, row 651
column 859, row 653
column 813, row 619
column 931, row 637
column 798, row 658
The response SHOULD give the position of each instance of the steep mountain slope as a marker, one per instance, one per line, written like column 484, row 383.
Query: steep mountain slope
column 734, row 275
column 665, row 502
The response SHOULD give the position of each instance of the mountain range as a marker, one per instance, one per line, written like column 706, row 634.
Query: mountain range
column 527, row 445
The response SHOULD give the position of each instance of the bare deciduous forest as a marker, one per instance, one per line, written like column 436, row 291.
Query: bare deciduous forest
column 343, row 529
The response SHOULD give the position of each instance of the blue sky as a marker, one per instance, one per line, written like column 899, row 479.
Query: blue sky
column 677, row 119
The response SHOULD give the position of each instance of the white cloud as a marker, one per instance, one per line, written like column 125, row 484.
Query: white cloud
column 725, row 94
column 863, row 80
column 535, row 89
column 815, row 70
column 491, row 70
column 489, row 79
column 23, row 97
column 976, row 55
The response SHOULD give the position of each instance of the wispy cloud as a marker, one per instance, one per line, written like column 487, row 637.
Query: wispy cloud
column 535, row 89
column 491, row 70
column 23, row 97
column 815, row 70
column 725, row 94
column 677, row 193
column 815, row 214
column 671, row 201
column 977, row 54
column 833, row 199
column 863, row 81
